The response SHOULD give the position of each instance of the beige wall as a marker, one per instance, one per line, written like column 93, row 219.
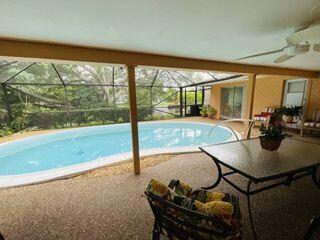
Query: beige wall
column 216, row 95
column 268, row 93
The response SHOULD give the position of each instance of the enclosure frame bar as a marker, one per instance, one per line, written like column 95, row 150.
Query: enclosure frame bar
column 16, row 74
column 184, row 77
column 203, row 95
column 8, row 64
column 175, row 80
column 86, row 85
column 215, row 81
column 165, row 98
column 181, row 101
column 155, row 78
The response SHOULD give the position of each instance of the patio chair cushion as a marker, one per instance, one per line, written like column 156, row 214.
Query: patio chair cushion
column 263, row 116
column 207, row 196
column 222, row 210
column 185, row 189
column 159, row 189
column 309, row 124
column 180, row 187
column 182, row 194
column 223, row 217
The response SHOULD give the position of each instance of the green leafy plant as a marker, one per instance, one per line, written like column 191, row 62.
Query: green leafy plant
column 212, row 112
column 272, row 132
column 292, row 111
column 120, row 120
column 5, row 130
column 204, row 111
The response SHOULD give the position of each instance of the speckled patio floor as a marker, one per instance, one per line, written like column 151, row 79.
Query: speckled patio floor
column 112, row 207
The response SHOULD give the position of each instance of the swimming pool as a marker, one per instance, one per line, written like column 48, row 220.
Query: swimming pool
column 48, row 156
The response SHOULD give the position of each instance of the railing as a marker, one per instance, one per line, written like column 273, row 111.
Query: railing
column 223, row 123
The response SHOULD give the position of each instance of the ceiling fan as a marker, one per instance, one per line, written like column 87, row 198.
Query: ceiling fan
column 298, row 43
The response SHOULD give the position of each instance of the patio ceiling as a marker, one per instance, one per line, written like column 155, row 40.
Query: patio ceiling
column 209, row 29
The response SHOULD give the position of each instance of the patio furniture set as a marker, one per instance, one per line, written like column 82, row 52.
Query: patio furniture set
column 179, row 213
column 312, row 124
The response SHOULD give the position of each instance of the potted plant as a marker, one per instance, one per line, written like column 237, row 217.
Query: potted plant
column 290, row 112
column 271, row 137
column 204, row 111
column 212, row 112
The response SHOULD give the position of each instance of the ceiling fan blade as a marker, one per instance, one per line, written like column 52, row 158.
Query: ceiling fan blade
column 282, row 58
column 261, row 54
column 316, row 47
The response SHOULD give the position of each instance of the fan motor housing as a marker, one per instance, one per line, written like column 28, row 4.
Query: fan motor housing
column 297, row 49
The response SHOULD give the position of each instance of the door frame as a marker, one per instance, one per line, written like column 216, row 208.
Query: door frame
column 286, row 86
column 243, row 101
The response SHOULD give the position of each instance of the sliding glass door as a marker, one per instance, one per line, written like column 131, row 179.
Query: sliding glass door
column 232, row 102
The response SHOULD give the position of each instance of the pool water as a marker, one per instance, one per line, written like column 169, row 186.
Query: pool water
column 76, row 146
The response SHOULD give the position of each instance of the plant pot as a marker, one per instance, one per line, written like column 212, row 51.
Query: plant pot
column 270, row 144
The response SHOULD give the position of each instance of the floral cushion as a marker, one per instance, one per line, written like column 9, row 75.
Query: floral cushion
column 207, row 196
column 159, row 189
column 185, row 189
column 181, row 188
column 309, row 124
column 182, row 194
column 215, row 204
column 222, row 210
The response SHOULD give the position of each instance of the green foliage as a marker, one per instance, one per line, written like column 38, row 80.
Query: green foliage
column 162, row 117
column 204, row 111
column 212, row 111
column 120, row 120
column 273, row 132
column 191, row 98
column 208, row 111
column 84, row 101
column 293, row 111
column 5, row 130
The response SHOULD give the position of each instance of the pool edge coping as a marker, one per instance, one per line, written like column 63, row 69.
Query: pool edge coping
column 19, row 180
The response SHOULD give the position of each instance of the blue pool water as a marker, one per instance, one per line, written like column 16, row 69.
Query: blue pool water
column 70, row 147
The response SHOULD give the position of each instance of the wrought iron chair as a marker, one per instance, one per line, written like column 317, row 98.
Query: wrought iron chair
column 177, row 222
column 313, row 230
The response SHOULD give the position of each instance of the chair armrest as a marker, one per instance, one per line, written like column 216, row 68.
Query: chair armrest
column 313, row 227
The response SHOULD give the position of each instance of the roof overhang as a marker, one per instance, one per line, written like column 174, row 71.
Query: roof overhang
column 53, row 52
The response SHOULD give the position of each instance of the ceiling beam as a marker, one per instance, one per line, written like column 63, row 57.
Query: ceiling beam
column 51, row 51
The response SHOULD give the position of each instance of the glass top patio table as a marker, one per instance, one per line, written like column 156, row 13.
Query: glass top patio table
column 250, row 160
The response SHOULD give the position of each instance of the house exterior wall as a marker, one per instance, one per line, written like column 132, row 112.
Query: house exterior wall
column 216, row 95
column 268, row 93
column 314, row 99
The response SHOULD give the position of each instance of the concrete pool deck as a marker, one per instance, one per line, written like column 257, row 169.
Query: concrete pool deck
column 112, row 207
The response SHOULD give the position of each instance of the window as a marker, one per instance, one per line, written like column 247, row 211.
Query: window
column 294, row 92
